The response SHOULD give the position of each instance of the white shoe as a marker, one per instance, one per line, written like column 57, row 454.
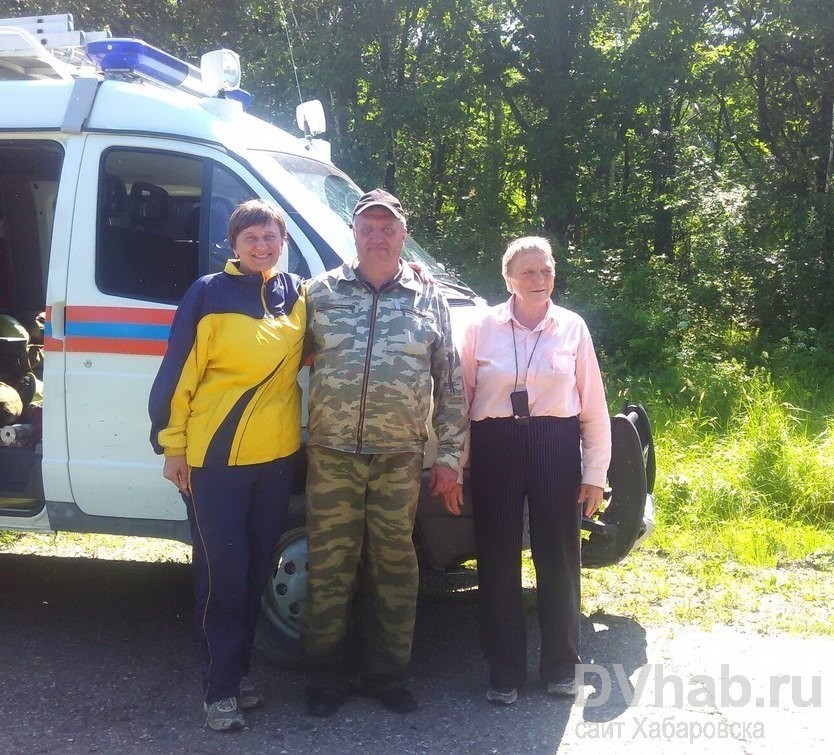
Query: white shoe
column 223, row 715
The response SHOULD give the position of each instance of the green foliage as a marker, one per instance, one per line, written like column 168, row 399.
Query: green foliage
column 765, row 460
column 7, row 538
column 677, row 152
column 753, row 541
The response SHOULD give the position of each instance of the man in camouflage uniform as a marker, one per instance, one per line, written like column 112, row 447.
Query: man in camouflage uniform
column 382, row 348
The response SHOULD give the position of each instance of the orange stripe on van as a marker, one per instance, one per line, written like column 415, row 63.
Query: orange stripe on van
column 52, row 344
column 143, row 315
column 116, row 346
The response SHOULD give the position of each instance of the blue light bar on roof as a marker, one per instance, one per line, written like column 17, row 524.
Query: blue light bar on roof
column 138, row 57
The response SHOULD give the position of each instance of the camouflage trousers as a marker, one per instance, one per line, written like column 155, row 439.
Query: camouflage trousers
column 362, row 566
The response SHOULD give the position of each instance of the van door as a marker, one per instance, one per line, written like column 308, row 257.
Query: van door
column 37, row 195
column 156, row 218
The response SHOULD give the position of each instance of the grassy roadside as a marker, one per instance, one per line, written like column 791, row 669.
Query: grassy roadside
column 106, row 547
column 655, row 587
column 745, row 505
column 758, row 575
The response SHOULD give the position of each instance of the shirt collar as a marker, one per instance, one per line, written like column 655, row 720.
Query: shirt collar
column 405, row 277
column 232, row 268
column 504, row 313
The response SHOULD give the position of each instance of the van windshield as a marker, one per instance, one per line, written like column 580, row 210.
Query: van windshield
column 326, row 185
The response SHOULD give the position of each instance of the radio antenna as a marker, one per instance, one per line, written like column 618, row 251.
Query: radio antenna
column 289, row 45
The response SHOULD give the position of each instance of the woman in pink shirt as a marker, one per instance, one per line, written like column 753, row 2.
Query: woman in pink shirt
column 539, row 428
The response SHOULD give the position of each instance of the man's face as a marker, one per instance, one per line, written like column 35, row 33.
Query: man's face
column 379, row 237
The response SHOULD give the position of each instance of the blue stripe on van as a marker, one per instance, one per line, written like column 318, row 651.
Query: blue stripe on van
column 118, row 330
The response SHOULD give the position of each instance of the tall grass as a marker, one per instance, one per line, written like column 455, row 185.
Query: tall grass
column 743, row 471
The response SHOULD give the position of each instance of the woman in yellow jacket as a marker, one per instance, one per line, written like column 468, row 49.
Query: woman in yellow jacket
column 226, row 411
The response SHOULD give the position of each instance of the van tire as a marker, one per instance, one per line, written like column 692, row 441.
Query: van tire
column 278, row 632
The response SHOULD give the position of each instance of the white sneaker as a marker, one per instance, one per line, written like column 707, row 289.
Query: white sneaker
column 502, row 697
column 223, row 715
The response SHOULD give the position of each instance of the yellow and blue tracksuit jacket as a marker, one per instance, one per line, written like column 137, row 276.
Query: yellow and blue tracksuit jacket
column 226, row 392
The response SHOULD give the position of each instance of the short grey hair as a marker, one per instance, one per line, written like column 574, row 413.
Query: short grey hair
column 521, row 245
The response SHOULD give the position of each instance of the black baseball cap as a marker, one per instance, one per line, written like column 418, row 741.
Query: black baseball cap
column 379, row 198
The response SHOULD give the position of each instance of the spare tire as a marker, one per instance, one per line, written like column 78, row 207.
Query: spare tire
column 616, row 530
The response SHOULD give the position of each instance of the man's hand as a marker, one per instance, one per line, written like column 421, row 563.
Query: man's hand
column 590, row 498
column 175, row 469
column 422, row 272
column 453, row 501
column 443, row 479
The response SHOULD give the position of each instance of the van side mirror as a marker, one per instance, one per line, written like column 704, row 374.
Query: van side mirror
column 220, row 70
column 310, row 118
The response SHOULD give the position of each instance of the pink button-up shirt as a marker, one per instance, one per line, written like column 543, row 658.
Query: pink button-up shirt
column 557, row 365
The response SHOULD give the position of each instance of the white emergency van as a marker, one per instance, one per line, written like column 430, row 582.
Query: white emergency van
column 119, row 168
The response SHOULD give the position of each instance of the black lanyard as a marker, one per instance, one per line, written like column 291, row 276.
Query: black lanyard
column 515, row 355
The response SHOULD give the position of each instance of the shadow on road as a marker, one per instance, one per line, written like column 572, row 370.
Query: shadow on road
column 618, row 645
column 101, row 656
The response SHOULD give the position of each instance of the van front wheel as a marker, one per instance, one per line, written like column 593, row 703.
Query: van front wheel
column 279, row 629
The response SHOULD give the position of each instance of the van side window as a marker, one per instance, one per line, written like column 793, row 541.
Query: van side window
column 144, row 246
column 162, row 222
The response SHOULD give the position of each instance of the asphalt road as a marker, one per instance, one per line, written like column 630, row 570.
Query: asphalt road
column 100, row 656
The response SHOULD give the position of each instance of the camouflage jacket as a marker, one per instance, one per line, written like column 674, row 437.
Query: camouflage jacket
column 379, row 358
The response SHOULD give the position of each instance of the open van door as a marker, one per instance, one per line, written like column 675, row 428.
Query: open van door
column 37, row 196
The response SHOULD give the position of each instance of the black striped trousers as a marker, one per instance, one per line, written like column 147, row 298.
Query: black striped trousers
column 542, row 462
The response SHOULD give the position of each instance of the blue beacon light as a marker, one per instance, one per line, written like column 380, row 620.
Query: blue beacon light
column 136, row 56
